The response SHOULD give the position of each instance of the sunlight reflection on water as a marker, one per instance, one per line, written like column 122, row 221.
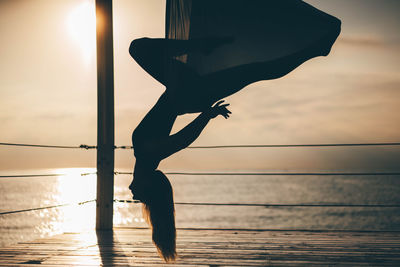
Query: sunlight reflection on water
column 28, row 193
column 74, row 188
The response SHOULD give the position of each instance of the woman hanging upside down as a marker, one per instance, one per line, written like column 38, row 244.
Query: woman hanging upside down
column 186, row 92
column 269, row 40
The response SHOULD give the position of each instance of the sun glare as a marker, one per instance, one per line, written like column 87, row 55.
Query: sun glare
column 73, row 188
column 81, row 25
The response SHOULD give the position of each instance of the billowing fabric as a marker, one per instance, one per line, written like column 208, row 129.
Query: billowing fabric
column 263, row 30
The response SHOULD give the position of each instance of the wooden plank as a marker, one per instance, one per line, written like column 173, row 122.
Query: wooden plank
column 133, row 247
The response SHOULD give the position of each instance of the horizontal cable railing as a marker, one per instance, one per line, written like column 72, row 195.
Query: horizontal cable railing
column 32, row 175
column 222, row 174
column 47, row 207
column 49, row 146
column 282, row 145
column 44, row 175
column 286, row 230
column 268, row 205
column 83, row 146
column 297, row 145
column 271, row 173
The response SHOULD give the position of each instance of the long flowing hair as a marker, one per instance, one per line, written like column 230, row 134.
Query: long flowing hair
column 159, row 212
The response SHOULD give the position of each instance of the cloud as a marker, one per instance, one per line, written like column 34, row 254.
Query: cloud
column 362, row 41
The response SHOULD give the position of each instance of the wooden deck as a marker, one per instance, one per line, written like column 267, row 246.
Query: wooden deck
column 209, row 247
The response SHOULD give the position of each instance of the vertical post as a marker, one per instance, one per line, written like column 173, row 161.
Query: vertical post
column 105, row 115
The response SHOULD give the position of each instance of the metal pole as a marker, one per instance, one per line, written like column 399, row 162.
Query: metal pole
column 105, row 115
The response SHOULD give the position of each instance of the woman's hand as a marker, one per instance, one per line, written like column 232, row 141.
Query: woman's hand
column 219, row 109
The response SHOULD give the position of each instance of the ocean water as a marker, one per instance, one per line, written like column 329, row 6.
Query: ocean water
column 26, row 193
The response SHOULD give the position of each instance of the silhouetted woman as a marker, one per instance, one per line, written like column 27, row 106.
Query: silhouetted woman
column 186, row 92
column 200, row 71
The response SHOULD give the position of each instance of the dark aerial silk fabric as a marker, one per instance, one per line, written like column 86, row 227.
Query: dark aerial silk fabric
column 263, row 30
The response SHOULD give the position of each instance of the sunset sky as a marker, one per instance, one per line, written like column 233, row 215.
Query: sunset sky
column 48, row 92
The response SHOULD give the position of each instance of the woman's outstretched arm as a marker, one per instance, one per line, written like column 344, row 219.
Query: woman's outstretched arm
column 191, row 132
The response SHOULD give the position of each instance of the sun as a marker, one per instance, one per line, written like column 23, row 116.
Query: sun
column 81, row 23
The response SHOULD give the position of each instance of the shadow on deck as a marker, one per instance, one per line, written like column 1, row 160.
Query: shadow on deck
column 209, row 247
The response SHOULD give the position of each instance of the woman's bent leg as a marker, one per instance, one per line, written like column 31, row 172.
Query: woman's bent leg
column 159, row 57
column 156, row 57
column 227, row 82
